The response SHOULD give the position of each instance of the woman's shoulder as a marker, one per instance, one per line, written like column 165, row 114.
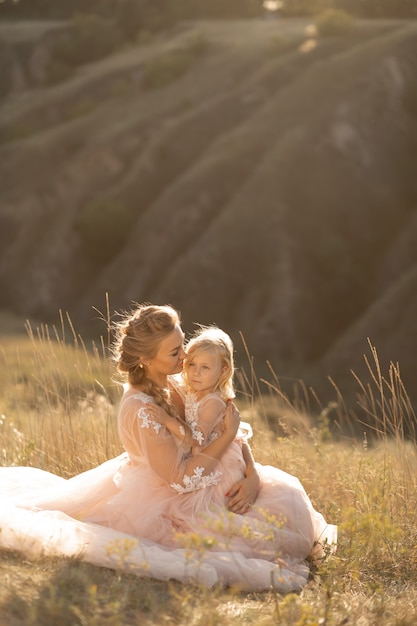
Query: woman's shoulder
column 132, row 394
column 134, row 406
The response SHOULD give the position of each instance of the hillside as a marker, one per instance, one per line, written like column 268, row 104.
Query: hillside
column 270, row 188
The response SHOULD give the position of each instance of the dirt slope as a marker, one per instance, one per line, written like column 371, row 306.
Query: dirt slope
column 273, row 190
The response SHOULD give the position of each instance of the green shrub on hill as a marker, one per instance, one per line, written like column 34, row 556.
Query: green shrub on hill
column 296, row 8
column 134, row 16
column 334, row 22
column 166, row 68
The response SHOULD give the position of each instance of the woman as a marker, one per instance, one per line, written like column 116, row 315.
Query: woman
column 123, row 513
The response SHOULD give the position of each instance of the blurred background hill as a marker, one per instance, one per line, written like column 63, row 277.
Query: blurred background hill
column 254, row 169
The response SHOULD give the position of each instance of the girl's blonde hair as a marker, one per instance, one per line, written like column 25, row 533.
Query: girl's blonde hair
column 213, row 338
column 137, row 339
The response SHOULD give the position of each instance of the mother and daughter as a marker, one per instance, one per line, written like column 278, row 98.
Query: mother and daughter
column 186, row 499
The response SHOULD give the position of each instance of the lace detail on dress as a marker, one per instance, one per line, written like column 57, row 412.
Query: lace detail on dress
column 191, row 417
column 196, row 433
column 146, row 421
column 212, row 437
column 197, row 481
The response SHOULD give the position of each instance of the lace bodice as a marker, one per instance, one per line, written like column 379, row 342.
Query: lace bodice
column 204, row 417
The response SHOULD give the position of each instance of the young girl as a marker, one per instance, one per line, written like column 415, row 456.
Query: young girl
column 206, row 386
column 276, row 525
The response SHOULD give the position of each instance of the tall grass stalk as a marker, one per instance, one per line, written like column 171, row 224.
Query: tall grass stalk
column 58, row 400
column 385, row 401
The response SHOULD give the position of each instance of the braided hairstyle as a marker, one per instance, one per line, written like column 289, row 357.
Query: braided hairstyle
column 138, row 336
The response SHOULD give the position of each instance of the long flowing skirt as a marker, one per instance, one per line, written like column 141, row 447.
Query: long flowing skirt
column 120, row 515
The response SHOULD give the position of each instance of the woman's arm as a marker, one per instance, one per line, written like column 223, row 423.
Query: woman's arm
column 184, row 474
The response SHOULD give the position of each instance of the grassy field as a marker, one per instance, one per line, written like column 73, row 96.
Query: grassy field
column 58, row 404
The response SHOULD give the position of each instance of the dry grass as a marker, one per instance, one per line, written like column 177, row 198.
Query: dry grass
column 58, row 405
column 59, row 400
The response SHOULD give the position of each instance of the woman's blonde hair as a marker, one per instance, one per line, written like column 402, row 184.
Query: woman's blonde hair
column 137, row 339
column 213, row 338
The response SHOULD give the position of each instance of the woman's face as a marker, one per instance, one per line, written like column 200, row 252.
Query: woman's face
column 169, row 357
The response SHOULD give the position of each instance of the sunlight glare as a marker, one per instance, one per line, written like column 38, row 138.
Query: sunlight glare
column 311, row 30
column 272, row 5
column 308, row 45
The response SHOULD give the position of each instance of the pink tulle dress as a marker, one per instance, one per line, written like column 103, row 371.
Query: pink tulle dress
column 159, row 509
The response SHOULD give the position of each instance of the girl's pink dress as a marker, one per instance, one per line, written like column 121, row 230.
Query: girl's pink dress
column 142, row 512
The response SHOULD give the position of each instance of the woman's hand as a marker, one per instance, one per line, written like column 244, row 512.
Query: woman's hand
column 243, row 493
column 157, row 413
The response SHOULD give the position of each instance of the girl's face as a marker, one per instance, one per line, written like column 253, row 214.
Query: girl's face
column 203, row 370
column 168, row 359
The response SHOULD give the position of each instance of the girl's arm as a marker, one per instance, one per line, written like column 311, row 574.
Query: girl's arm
column 209, row 421
column 245, row 491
